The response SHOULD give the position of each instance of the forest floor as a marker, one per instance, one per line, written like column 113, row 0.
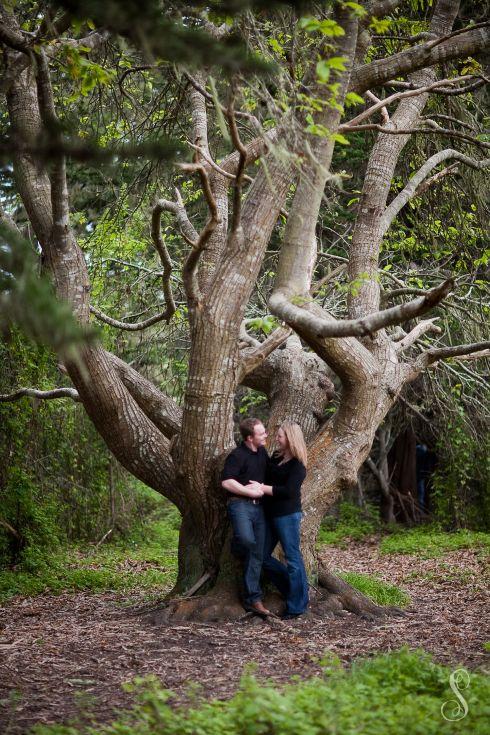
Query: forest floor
column 66, row 656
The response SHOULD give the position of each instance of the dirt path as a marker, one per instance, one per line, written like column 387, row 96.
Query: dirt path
column 60, row 655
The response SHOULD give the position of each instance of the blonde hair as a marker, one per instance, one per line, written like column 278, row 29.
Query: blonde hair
column 296, row 440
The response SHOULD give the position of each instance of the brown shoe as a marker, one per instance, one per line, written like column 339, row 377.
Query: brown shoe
column 257, row 607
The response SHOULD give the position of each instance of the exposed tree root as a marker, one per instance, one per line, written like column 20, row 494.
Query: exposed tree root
column 336, row 595
column 222, row 603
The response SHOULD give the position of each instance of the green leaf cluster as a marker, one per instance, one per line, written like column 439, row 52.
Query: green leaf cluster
column 401, row 691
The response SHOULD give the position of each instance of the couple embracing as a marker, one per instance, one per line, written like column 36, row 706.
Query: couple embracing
column 264, row 507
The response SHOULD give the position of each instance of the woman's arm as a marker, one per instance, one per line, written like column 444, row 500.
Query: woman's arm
column 292, row 485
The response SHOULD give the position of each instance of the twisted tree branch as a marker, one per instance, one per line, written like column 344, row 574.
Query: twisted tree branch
column 420, row 329
column 189, row 272
column 42, row 394
column 165, row 315
column 282, row 305
column 252, row 358
column 411, row 188
column 429, row 357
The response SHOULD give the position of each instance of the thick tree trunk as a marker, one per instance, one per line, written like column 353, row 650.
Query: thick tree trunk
column 179, row 452
column 298, row 386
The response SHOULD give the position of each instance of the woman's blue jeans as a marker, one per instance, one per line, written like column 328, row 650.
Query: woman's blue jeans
column 290, row 579
column 248, row 523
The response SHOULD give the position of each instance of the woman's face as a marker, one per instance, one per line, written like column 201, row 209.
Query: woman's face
column 282, row 441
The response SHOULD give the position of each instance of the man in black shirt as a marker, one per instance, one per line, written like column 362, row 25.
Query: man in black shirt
column 242, row 476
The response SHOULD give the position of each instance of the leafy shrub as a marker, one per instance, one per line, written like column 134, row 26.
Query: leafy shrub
column 400, row 692
column 461, row 490
column 147, row 560
column 58, row 481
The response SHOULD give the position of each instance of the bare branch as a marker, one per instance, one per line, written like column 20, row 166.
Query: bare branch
column 282, row 305
column 380, row 8
column 377, row 73
column 242, row 152
column 315, row 287
column 42, row 394
column 199, row 116
column 475, row 26
column 446, row 91
column 450, row 118
column 160, row 408
column 127, row 326
column 133, row 70
column 189, row 272
column 162, row 251
column 422, row 328
column 212, row 163
column 247, row 338
column 435, row 129
column 429, row 357
column 14, row 38
column 400, row 96
column 22, row 60
column 10, row 528
column 414, row 409
column 410, row 189
column 209, row 97
column 473, row 356
column 383, row 482
column 384, row 111
column 453, row 168
column 57, row 176
column 178, row 209
column 254, row 357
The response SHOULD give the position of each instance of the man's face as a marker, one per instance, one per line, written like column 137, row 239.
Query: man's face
column 259, row 436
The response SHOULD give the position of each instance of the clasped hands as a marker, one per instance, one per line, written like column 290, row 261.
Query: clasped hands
column 254, row 489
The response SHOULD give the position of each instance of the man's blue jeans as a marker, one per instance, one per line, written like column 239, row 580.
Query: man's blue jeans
column 248, row 523
column 290, row 579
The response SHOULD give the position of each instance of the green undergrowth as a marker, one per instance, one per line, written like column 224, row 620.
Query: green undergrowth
column 399, row 692
column 376, row 589
column 146, row 560
column 351, row 523
column 429, row 542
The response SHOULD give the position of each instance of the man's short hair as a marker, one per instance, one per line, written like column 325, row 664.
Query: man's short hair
column 247, row 427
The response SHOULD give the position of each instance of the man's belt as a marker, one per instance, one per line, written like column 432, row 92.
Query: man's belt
column 254, row 501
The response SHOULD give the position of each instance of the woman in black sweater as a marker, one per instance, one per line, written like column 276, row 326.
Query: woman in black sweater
column 285, row 474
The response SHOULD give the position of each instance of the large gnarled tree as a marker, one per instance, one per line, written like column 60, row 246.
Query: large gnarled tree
column 178, row 450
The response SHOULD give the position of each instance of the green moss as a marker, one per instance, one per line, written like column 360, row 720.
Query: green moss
column 378, row 591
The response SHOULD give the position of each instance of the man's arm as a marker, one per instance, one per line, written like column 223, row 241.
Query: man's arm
column 252, row 490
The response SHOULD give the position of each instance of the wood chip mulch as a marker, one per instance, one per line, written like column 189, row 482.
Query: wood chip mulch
column 62, row 656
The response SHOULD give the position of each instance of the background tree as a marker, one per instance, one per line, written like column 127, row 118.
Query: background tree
column 283, row 129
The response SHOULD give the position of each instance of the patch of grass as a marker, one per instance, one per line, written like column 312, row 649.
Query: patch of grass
column 429, row 542
column 148, row 560
column 376, row 589
column 353, row 523
column 401, row 691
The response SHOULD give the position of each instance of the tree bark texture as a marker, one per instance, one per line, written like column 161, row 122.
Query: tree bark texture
column 179, row 451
